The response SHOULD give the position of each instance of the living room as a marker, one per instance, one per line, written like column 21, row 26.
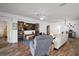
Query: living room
column 21, row 23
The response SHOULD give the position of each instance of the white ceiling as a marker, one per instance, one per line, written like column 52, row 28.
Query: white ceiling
column 51, row 11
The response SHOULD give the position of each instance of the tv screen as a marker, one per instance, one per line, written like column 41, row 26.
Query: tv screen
column 29, row 26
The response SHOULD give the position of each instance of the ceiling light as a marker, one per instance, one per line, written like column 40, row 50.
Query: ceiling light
column 42, row 17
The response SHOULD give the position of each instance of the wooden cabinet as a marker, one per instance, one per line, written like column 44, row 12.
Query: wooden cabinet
column 20, row 30
column 37, row 29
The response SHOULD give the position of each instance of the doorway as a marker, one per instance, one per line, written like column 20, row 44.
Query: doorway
column 3, row 33
column 48, row 29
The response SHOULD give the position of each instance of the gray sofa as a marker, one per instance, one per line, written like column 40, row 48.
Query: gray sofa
column 40, row 45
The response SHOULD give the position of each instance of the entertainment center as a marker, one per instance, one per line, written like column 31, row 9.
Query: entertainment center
column 27, row 30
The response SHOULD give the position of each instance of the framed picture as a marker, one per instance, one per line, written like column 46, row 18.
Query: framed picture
column 14, row 26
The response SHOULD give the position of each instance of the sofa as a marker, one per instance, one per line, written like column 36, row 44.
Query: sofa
column 60, row 40
column 40, row 45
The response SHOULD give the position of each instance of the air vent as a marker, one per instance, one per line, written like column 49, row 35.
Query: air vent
column 61, row 5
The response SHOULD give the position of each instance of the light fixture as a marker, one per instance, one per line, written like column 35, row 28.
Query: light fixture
column 42, row 17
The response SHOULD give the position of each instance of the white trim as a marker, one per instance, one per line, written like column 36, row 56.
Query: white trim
column 12, row 41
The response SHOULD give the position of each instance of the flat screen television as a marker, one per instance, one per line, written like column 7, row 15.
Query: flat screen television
column 29, row 26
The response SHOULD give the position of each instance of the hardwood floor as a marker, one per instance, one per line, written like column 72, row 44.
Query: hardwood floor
column 15, row 49
column 71, row 48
